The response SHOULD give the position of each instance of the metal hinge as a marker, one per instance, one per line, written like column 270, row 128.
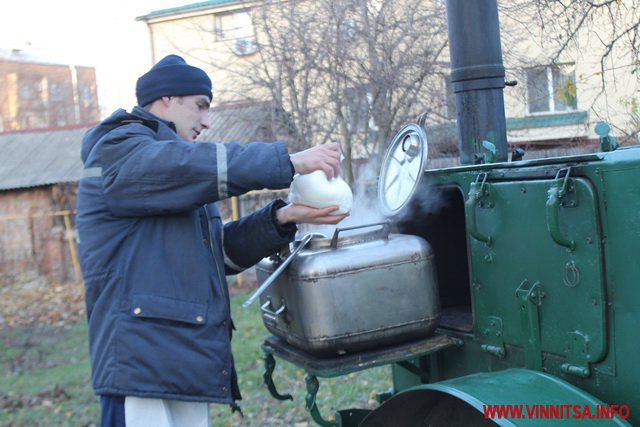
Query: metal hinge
column 578, row 355
column 493, row 336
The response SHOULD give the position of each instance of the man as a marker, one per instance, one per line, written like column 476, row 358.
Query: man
column 154, row 252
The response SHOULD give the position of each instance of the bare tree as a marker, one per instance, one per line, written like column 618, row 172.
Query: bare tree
column 608, row 30
column 348, row 71
column 613, row 23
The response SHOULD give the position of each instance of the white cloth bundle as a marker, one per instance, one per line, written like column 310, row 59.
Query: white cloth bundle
column 315, row 190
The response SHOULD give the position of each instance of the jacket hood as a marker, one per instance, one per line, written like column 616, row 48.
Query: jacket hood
column 116, row 119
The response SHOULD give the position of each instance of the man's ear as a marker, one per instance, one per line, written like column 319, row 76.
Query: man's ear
column 160, row 106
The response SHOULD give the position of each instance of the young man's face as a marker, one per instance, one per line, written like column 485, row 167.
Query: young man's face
column 190, row 114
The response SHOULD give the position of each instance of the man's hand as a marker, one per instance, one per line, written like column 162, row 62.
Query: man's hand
column 294, row 213
column 325, row 157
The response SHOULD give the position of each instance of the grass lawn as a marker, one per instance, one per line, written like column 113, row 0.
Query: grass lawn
column 46, row 379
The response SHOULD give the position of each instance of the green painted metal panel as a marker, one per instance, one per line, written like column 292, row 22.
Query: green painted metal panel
column 533, row 399
column 605, row 228
column 527, row 287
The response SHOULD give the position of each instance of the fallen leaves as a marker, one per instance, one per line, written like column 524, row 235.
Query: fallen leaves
column 45, row 398
column 30, row 299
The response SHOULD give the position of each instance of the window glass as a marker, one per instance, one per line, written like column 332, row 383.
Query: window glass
column 564, row 89
column 537, row 90
column 551, row 89
column 30, row 90
column 234, row 25
column 56, row 91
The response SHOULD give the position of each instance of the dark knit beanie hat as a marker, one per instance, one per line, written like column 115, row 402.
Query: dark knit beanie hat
column 172, row 76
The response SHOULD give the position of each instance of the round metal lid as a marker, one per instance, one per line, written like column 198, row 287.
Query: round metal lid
column 402, row 168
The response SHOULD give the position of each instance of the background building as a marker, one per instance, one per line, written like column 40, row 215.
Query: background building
column 38, row 94
column 559, row 97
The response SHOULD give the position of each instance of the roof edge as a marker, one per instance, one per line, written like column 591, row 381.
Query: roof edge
column 186, row 8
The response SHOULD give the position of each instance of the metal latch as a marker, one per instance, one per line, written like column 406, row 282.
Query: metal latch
column 478, row 196
column 530, row 298
column 558, row 195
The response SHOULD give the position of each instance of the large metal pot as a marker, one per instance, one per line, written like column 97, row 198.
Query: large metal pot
column 352, row 292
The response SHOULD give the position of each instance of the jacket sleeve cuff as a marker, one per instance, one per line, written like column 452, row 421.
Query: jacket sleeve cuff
column 286, row 230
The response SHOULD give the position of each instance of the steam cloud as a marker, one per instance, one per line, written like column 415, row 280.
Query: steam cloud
column 366, row 209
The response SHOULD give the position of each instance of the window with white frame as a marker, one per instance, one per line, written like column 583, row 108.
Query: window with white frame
column 551, row 89
column 236, row 28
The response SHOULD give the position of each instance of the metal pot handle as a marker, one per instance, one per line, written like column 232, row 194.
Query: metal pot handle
column 383, row 232
column 280, row 269
column 269, row 314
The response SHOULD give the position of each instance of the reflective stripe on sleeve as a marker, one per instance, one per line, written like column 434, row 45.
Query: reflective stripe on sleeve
column 221, row 155
column 227, row 260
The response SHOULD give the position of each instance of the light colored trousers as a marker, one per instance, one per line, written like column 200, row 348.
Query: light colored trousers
column 142, row 412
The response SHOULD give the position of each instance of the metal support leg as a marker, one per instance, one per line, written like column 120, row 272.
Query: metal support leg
column 424, row 375
column 312, row 389
column 270, row 365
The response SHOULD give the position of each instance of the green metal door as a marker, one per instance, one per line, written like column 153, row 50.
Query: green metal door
column 537, row 270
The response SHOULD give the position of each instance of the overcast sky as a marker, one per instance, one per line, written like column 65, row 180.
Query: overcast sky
column 103, row 34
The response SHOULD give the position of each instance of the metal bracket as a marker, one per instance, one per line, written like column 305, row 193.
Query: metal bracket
column 415, row 370
column 530, row 301
column 493, row 337
column 577, row 355
column 488, row 152
column 312, row 390
column 383, row 396
column 270, row 365
column 608, row 142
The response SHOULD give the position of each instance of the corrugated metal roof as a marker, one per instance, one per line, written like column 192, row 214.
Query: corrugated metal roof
column 30, row 159
column 240, row 123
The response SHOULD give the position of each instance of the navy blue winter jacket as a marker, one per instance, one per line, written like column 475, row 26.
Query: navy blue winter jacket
column 154, row 254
